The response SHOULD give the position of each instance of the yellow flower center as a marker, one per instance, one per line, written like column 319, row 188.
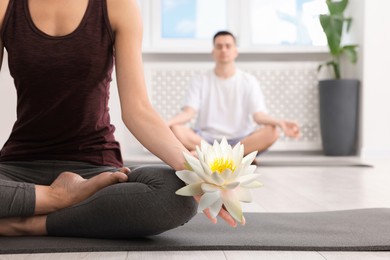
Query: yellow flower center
column 220, row 164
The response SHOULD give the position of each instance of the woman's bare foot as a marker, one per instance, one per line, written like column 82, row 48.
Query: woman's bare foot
column 70, row 188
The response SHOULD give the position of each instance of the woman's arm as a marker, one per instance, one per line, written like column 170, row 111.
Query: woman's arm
column 137, row 112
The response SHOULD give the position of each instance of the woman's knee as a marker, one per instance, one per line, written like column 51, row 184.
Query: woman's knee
column 167, row 209
column 162, row 211
column 173, row 207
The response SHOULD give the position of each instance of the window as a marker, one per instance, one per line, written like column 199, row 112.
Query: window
column 287, row 22
column 260, row 25
column 194, row 19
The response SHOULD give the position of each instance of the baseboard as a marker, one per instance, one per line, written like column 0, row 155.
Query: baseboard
column 376, row 152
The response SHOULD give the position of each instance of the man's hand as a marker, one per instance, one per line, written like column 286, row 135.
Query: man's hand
column 290, row 128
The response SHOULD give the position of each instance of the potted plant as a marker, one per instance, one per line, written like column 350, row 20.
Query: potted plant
column 339, row 98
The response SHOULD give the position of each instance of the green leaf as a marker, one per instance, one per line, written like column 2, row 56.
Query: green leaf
column 350, row 52
column 333, row 25
column 335, row 67
column 333, row 28
column 349, row 22
column 337, row 7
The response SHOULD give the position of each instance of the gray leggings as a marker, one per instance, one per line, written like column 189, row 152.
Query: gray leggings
column 145, row 205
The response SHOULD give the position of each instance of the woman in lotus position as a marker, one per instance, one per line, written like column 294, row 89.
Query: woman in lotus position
column 61, row 171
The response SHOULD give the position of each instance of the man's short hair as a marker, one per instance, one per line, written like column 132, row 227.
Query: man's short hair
column 223, row 33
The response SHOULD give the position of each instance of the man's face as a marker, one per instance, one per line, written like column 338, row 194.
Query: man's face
column 225, row 49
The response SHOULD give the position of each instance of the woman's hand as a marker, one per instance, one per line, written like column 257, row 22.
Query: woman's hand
column 223, row 214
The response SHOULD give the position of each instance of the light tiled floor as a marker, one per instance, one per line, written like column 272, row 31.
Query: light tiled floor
column 287, row 189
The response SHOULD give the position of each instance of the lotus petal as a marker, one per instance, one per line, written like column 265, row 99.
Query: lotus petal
column 209, row 155
column 248, row 170
column 217, row 179
column 247, row 160
column 236, row 154
column 248, row 178
column 206, row 168
column 224, row 144
column 232, row 205
column 243, row 195
column 188, row 177
column 254, row 184
column 232, row 185
column 199, row 153
column 217, row 150
column 193, row 162
column 215, row 208
column 197, row 167
column 206, row 187
column 226, row 174
column 190, row 190
column 236, row 173
column 208, row 199
column 204, row 146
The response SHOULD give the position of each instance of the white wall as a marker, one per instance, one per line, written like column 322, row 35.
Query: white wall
column 376, row 76
column 7, row 102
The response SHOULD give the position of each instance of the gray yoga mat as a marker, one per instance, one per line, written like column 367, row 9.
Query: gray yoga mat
column 349, row 230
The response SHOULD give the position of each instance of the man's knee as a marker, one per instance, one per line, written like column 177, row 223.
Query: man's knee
column 275, row 133
column 177, row 129
column 272, row 134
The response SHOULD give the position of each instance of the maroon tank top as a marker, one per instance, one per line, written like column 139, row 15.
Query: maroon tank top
column 62, row 86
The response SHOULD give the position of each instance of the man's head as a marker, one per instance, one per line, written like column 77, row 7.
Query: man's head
column 225, row 48
column 224, row 33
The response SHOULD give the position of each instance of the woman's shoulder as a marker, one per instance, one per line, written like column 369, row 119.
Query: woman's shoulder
column 123, row 14
column 3, row 9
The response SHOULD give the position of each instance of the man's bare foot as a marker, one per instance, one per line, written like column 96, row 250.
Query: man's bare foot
column 70, row 188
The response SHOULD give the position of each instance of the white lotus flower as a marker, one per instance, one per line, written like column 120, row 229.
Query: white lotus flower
column 222, row 176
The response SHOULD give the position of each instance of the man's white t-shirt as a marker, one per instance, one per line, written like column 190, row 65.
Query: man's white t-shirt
column 225, row 107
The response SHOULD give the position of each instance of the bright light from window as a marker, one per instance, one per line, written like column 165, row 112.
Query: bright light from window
column 194, row 19
column 287, row 22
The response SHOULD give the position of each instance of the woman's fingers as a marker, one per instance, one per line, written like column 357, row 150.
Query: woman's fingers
column 227, row 217
column 223, row 213
column 208, row 215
